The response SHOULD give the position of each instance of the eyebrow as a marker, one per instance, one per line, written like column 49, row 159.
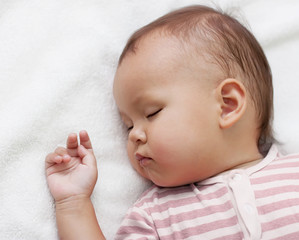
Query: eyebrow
column 138, row 100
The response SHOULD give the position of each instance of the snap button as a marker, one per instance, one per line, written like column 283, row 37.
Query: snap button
column 237, row 177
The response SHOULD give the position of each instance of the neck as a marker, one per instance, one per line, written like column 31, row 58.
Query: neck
column 241, row 154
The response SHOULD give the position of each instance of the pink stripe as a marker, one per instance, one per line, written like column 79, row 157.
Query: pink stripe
column 194, row 214
column 275, row 177
column 181, row 190
column 161, row 194
column 186, row 201
column 174, row 191
column 147, row 192
column 171, row 204
column 291, row 156
column 201, row 229
column 271, row 207
column 213, row 195
column 137, row 217
column 127, row 230
column 280, row 222
column 282, row 165
column 275, row 191
column 236, row 236
column 290, row 236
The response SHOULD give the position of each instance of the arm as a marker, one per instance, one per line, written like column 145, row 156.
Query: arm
column 76, row 219
column 71, row 175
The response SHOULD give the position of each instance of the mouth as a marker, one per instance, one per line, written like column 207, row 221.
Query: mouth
column 143, row 161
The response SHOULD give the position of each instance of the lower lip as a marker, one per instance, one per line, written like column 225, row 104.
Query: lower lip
column 144, row 162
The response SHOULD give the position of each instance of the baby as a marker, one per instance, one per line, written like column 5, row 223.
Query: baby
column 194, row 89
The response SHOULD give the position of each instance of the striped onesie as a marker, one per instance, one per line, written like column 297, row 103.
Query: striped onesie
column 260, row 202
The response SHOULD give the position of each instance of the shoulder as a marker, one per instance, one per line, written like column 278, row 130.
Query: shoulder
column 291, row 159
column 276, row 158
column 140, row 218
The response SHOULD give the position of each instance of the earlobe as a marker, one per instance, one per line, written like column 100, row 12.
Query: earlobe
column 232, row 100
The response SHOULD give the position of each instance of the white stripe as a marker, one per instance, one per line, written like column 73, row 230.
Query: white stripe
column 190, row 193
column 165, row 199
column 217, row 233
column 275, row 184
column 274, row 172
column 271, row 216
column 135, row 236
column 149, row 193
column 287, row 159
column 275, row 233
column 276, row 198
column 186, row 208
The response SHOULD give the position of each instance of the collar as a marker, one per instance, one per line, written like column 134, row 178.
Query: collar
column 221, row 177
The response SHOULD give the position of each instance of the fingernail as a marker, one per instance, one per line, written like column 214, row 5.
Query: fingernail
column 66, row 157
column 58, row 159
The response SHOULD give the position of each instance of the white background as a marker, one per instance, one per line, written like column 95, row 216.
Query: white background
column 57, row 61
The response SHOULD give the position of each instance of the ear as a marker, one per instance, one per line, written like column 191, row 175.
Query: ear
column 232, row 100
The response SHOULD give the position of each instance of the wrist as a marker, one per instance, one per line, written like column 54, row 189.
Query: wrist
column 73, row 204
column 76, row 219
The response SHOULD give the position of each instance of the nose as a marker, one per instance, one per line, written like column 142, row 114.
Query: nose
column 137, row 135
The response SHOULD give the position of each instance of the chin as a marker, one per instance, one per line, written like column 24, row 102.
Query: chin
column 170, row 184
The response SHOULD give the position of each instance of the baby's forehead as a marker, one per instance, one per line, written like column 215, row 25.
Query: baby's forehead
column 166, row 54
column 162, row 39
column 190, row 48
column 157, row 48
column 159, row 41
column 190, row 53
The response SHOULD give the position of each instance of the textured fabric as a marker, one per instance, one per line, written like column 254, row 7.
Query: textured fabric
column 260, row 202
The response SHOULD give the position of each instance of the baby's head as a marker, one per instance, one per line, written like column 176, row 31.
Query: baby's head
column 192, row 87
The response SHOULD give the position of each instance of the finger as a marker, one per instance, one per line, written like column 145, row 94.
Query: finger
column 56, row 163
column 65, row 158
column 85, row 140
column 66, row 153
column 62, row 159
column 72, row 141
column 88, row 157
column 58, row 159
column 61, row 151
column 52, row 159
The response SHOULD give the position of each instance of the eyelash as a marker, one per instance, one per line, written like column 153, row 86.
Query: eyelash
column 148, row 116
column 153, row 114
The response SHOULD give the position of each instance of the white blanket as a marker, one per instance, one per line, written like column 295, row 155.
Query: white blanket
column 57, row 61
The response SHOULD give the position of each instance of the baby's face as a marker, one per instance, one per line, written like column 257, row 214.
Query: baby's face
column 169, row 111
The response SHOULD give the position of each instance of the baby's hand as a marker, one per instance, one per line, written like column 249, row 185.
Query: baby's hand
column 72, row 171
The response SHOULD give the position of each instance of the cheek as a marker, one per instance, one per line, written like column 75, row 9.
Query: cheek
column 165, row 139
column 177, row 138
column 130, row 152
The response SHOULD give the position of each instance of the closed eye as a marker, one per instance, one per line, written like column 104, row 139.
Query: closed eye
column 153, row 114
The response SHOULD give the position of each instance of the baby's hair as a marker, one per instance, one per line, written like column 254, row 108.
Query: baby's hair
column 229, row 44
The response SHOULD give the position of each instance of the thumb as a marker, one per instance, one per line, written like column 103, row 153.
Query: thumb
column 88, row 157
